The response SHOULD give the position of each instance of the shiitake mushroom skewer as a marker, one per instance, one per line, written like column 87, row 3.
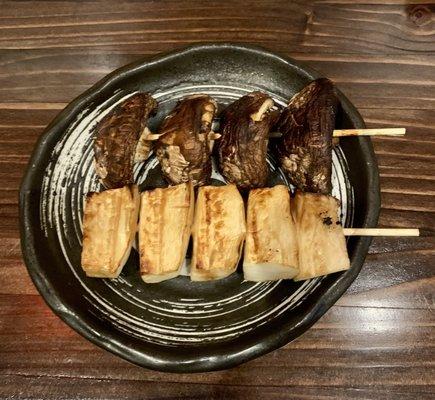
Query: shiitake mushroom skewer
column 185, row 138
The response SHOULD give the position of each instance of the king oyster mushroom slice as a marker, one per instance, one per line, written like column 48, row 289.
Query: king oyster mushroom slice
column 305, row 147
column 165, row 225
column 218, row 232
column 245, row 127
column 109, row 227
column 271, row 250
column 122, row 139
column 185, row 141
column 321, row 242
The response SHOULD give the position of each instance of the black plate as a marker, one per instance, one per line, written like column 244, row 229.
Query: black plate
column 179, row 325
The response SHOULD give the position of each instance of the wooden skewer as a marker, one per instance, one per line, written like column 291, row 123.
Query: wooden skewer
column 369, row 132
column 359, row 132
column 381, row 232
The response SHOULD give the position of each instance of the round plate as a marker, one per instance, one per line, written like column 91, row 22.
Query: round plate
column 179, row 325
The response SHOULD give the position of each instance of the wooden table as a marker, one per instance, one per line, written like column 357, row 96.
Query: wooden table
column 378, row 340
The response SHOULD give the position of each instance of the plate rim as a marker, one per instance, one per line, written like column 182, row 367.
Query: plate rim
column 194, row 363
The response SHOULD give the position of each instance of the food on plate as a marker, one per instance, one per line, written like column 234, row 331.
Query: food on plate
column 123, row 138
column 305, row 147
column 285, row 239
column 218, row 232
column 165, row 224
column 271, row 251
column 109, row 227
column 321, row 242
column 186, row 140
column 245, row 127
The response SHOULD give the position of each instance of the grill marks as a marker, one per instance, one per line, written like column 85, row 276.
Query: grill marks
column 218, row 232
column 164, row 230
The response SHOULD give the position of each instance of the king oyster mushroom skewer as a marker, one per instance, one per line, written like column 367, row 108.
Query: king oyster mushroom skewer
column 123, row 138
column 186, row 140
column 245, row 127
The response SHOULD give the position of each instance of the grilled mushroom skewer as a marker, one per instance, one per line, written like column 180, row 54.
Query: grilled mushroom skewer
column 305, row 148
column 186, row 140
column 245, row 130
column 122, row 138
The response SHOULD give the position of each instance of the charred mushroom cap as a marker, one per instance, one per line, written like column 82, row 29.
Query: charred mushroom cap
column 116, row 139
column 184, row 145
column 305, row 147
column 245, row 130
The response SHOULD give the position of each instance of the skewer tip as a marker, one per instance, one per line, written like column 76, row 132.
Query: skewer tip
column 381, row 232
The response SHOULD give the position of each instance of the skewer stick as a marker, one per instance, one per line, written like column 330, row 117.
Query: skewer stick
column 359, row 132
column 381, row 232
column 369, row 132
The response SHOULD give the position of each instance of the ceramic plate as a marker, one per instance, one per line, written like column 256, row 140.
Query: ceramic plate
column 179, row 325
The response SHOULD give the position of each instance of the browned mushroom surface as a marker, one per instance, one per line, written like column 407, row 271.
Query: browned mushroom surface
column 245, row 130
column 305, row 147
column 118, row 135
column 186, row 139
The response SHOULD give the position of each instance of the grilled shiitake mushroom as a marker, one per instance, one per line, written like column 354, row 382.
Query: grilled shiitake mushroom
column 305, row 147
column 245, row 130
column 185, row 141
column 122, row 139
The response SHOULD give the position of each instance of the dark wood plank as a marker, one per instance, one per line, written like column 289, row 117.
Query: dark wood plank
column 378, row 340
column 377, row 28
column 352, row 338
column 62, row 75
column 66, row 387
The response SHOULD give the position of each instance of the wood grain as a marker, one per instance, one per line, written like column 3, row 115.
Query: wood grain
column 378, row 340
